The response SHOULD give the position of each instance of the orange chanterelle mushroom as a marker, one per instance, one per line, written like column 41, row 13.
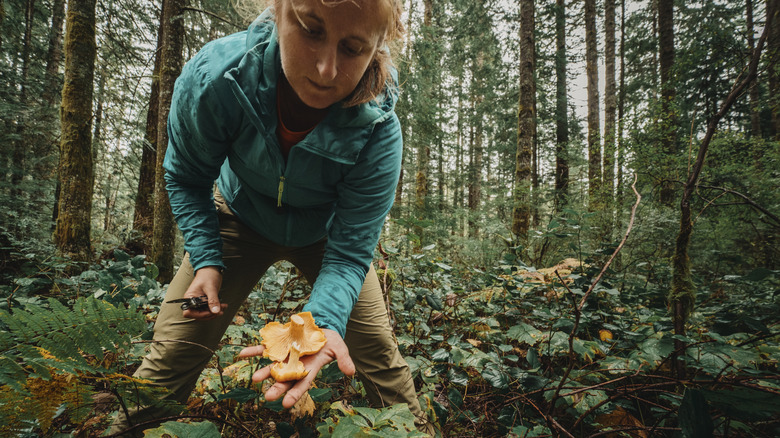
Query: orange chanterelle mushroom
column 299, row 337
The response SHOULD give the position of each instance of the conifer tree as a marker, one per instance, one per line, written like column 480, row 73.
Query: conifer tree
column 610, row 101
column 164, row 233
column 668, row 123
column 526, row 123
column 561, row 108
column 76, row 174
column 594, row 128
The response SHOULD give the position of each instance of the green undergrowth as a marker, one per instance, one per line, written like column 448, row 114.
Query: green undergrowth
column 493, row 352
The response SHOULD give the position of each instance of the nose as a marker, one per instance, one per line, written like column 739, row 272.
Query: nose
column 327, row 62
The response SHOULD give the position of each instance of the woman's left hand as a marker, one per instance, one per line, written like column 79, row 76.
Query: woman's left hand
column 334, row 349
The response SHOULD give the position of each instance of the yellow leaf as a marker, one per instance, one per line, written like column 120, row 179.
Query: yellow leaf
column 474, row 342
column 621, row 418
column 303, row 407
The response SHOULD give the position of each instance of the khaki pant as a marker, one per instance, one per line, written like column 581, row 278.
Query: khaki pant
column 177, row 365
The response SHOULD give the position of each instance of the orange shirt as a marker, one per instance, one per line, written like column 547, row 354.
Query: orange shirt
column 287, row 138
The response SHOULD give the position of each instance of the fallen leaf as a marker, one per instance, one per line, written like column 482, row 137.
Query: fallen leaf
column 303, row 407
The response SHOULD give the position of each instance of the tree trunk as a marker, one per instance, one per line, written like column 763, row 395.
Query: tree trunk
column 755, row 118
column 773, row 52
column 682, row 296
column 54, row 53
column 164, row 233
column 668, row 125
column 76, row 174
column 22, row 142
column 610, row 104
column 526, row 124
column 621, row 112
column 2, row 20
column 423, row 148
column 143, row 213
column 561, row 109
column 594, row 137
column 475, row 158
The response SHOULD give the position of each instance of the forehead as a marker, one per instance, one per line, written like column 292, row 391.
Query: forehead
column 365, row 18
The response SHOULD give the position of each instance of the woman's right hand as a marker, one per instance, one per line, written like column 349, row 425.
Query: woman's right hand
column 207, row 281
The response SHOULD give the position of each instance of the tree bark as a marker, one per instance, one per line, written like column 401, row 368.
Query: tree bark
column 755, row 118
column 621, row 112
column 475, row 166
column 54, row 53
column 423, row 148
column 561, row 109
column 773, row 52
column 594, row 136
column 610, row 103
column 668, row 125
column 526, row 124
column 76, row 174
column 23, row 117
column 164, row 233
column 143, row 213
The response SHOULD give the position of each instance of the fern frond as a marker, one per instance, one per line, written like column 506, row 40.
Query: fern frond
column 92, row 327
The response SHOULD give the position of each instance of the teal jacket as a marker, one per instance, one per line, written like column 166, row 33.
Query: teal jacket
column 339, row 182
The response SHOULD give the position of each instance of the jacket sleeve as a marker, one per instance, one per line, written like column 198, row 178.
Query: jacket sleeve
column 365, row 196
column 198, row 140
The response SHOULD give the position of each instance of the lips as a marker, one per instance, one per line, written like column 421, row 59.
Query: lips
column 319, row 87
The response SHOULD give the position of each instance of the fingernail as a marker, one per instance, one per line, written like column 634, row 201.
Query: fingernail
column 215, row 309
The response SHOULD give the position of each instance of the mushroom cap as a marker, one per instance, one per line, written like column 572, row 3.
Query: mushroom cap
column 287, row 371
column 278, row 338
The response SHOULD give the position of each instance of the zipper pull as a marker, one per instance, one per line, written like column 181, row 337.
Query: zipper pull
column 279, row 206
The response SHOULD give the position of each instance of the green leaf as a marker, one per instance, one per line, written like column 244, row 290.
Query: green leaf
column 434, row 301
column 241, row 395
column 455, row 397
column 758, row 274
column 525, row 333
column 744, row 403
column 138, row 261
column 694, row 415
column 175, row 429
column 320, row 395
column 497, row 378
column 120, row 255
column 285, row 429
column 458, row 377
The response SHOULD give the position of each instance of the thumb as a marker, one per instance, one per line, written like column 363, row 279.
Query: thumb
column 211, row 280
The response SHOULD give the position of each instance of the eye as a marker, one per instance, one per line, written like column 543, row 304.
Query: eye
column 310, row 31
column 352, row 49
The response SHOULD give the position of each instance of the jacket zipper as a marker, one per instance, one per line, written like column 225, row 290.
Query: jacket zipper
column 279, row 205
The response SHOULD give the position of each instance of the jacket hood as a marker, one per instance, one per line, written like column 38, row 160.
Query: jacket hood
column 254, row 83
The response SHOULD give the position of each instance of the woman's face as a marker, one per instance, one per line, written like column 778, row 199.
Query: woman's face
column 326, row 48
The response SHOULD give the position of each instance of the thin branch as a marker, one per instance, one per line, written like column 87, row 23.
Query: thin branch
column 578, row 308
column 747, row 200
column 213, row 15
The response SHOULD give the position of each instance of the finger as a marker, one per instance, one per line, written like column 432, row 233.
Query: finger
column 298, row 390
column 214, row 305
column 276, row 391
column 255, row 350
column 203, row 314
column 345, row 363
column 261, row 374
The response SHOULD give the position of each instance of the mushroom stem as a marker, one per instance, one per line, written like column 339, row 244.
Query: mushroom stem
column 295, row 353
column 296, row 327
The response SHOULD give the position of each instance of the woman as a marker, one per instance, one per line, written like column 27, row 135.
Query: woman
column 294, row 120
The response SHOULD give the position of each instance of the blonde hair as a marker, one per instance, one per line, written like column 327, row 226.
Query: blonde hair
column 378, row 75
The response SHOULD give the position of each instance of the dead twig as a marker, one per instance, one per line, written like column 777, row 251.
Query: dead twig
column 578, row 307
